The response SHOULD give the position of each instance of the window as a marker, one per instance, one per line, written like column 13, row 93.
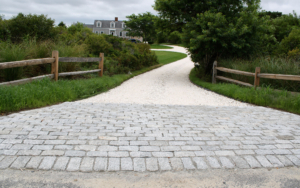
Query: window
column 101, row 32
column 120, row 33
column 123, row 25
column 96, row 32
column 112, row 24
column 99, row 24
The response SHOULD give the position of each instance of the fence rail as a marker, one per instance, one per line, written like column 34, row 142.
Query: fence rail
column 54, row 61
column 257, row 75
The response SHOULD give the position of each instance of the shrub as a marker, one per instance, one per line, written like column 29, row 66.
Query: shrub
column 175, row 37
column 97, row 43
column 289, row 43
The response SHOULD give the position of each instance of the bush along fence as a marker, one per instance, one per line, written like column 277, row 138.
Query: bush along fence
column 54, row 60
column 257, row 75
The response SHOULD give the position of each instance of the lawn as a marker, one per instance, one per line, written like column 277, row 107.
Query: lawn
column 46, row 92
column 158, row 46
column 265, row 96
column 165, row 57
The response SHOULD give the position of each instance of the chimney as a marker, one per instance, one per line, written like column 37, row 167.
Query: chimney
column 116, row 19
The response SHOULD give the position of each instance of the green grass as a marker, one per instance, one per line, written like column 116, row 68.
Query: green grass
column 158, row 46
column 268, row 97
column 168, row 57
column 46, row 92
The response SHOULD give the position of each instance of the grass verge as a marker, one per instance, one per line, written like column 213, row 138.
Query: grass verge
column 165, row 58
column 158, row 46
column 267, row 97
column 46, row 92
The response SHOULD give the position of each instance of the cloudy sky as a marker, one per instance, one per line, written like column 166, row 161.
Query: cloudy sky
column 86, row 11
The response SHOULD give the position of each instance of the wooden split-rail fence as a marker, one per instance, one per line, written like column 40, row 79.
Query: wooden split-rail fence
column 257, row 75
column 54, row 60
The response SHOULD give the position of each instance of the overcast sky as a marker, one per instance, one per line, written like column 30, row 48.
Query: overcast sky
column 86, row 11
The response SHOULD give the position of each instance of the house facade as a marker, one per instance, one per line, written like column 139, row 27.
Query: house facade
column 110, row 27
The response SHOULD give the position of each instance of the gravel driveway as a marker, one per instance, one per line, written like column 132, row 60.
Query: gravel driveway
column 157, row 121
column 168, row 85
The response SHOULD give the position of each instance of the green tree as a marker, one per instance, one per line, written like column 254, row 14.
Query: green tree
column 62, row 24
column 284, row 25
column 218, row 28
column 24, row 26
column 141, row 25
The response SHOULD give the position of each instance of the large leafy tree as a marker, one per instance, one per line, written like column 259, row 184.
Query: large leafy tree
column 24, row 26
column 141, row 25
column 216, row 28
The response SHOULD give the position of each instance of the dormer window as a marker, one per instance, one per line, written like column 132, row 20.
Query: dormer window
column 99, row 24
column 112, row 24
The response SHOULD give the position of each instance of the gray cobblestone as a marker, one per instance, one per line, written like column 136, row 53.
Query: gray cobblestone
column 42, row 147
column 150, row 132
column 149, row 148
column 240, row 162
column 87, row 164
column 285, row 161
column 47, row 163
column 139, row 143
column 164, row 164
column 107, row 148
column 264, row 161
column 118, row 154
column 176, row 164
column 244, row 152
column 200, row 162
column 113, row 164
column 224, row 153
column 61, row 163
column 8, row 152
column 282, row 152
column 7, row 161
column 139, row 164
column 20, row 162
column 213, row 162
column 252, row 162
column 74, row 164
column 184, row 154
column 162, row 154
column 53, row 152
column 152, row 164
column 126, row 164
column 72, row 153
column 100, row 164
column 188, row 164
column 34, row 162
column 226, row 163
column 140, row 154
column 264, row 152
column 128, row 148
column 294, row 159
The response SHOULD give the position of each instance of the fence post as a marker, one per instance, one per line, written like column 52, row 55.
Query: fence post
column 101, row 64
column 214, row 80
column 256, row 79
column 54, row 69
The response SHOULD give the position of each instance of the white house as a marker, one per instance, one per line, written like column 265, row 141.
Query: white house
column 110, row 27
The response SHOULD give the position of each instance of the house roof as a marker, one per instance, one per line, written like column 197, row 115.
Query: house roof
column 106, row 23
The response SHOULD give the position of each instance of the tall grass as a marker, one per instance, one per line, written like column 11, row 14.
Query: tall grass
column 264, row 97
column 31, row 49
column 272, row 65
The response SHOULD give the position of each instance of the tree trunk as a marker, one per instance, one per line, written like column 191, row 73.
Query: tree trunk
column 210, row 63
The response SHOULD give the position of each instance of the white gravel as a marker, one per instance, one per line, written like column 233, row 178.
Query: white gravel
column 168, row 85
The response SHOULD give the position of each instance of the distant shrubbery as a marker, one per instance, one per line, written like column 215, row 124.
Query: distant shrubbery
column 38, row 38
